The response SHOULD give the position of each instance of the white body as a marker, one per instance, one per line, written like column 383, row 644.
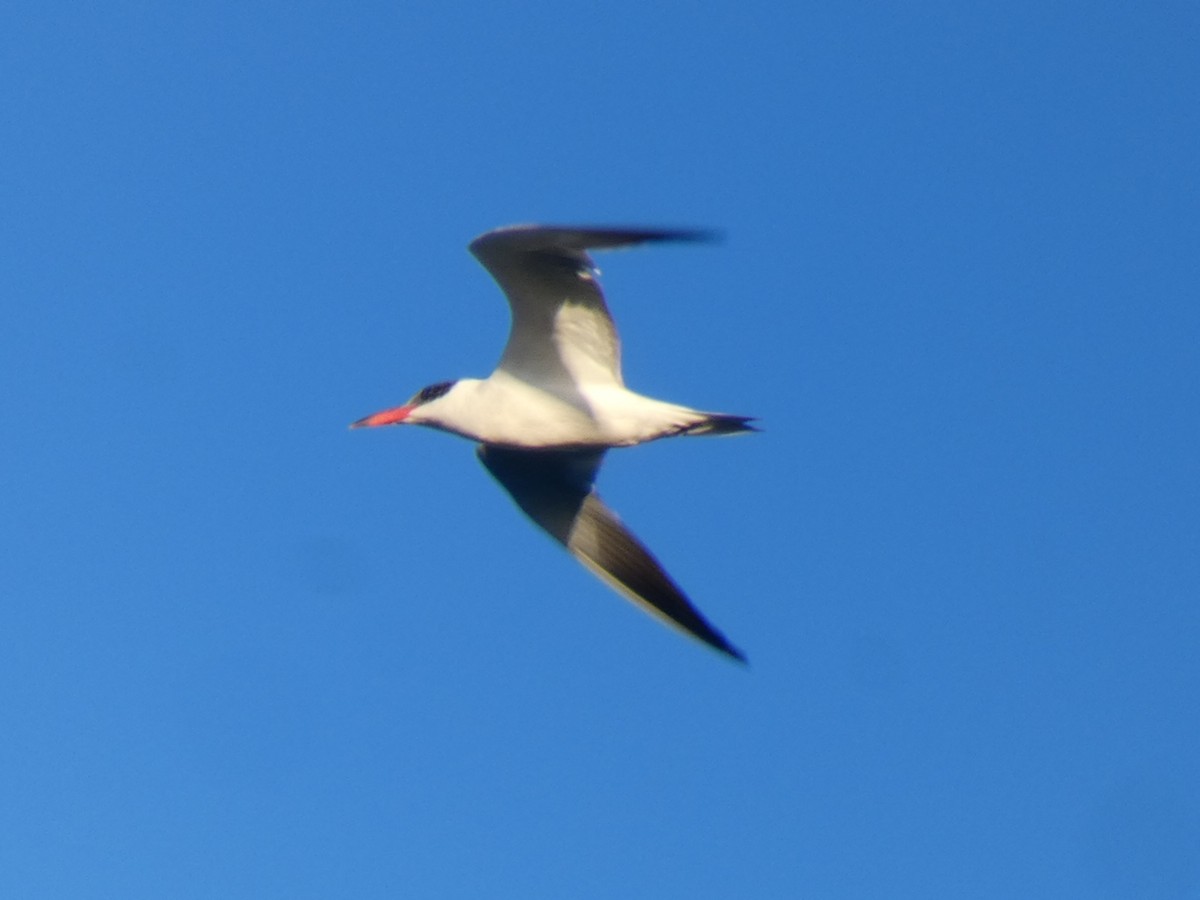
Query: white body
column 509, row 412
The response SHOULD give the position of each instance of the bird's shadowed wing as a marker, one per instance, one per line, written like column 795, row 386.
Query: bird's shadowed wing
column 554, row 488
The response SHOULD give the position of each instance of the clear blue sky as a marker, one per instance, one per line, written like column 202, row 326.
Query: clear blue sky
column 247, row 653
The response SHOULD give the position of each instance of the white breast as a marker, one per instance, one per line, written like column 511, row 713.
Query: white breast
column 508, row 411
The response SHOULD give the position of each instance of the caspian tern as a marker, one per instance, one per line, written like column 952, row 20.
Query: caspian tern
column 556, row 403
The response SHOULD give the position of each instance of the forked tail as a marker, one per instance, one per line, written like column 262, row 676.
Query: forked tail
column 719, row 424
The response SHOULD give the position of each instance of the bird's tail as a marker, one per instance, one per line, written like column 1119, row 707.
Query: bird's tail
column 720, row 424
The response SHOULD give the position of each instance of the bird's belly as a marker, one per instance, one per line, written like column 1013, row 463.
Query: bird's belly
column 519, row 415
column 514, row 413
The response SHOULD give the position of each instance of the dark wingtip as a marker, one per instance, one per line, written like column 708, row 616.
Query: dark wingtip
column 733, row 652
column 704, row 631
column 577, row 237
column 691, row 235
column 667, row 235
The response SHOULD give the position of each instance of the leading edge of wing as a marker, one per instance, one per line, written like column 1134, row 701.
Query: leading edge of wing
column 554, row 488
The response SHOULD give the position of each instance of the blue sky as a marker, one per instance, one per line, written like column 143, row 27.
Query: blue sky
column 247, row 653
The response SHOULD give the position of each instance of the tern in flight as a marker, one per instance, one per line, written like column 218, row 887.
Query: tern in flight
column 556, row 403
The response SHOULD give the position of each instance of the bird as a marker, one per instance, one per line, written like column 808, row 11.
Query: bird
column 556, row 403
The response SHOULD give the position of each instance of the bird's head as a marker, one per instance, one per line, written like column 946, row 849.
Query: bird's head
column 410, row 412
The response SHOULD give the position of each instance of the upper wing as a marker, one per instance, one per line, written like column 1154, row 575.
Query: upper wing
column 562, row 332
column 554, row 488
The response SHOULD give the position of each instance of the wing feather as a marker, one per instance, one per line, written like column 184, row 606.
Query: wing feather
column 554, row 488
column 562, row 332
